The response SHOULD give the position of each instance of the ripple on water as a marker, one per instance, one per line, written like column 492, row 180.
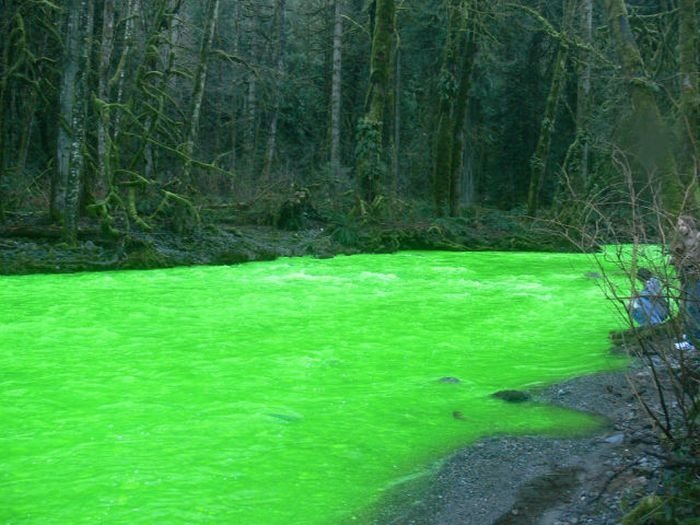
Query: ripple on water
column 286, row 392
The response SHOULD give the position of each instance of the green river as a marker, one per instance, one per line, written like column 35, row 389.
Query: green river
column 296, row 391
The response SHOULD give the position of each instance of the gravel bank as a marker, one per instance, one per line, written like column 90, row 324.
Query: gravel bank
column 547, row 481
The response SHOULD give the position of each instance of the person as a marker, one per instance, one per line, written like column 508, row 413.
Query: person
column 685, row 257
column 649, row 306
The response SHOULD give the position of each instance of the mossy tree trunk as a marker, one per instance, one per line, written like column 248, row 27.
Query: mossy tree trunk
column 689, row 107
column 279, row 72
column 250, row 142
column 540, row 158
column 74, row 95
column 371, row 165
column 578, row 157
column 161, row 45
column 649, row 135
column 453, row 91
column 200, row 79
column 148, row 98
column 447, row 93
column 336, row 88
column 460, row 113
column 125, row 63
column 396, row 139
column 583, row 100
column 103, row 184
column 4, row 78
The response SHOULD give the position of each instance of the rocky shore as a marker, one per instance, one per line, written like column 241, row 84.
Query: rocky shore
column 533, row 480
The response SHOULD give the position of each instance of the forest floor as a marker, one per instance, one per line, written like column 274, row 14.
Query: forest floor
column 535, row 480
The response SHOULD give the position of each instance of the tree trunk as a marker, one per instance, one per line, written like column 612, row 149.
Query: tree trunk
column 453, row 87
column 235, row 106
column 27, row 128
column 251, row 120
column 74, row 96
column 442, row 166
column 583, row 101
column 396, row 146
column 649, row 136
column 120, row 75
column 279, row 70
column 539, row 159
column 460, row 114
column 164, row 39
column 250, row 143
column 336, row 86
column 198, row 90
column 5, row 57
column 370, row 140
column 104, row 180
column 689, row 97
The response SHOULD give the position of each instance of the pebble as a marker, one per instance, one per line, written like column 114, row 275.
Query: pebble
column 615, row 439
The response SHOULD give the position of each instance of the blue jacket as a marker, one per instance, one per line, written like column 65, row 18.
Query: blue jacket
column 650, row 306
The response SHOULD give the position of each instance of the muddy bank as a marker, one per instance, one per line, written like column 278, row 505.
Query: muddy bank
column 533, row 480
column 43, row 253
column 34, row 247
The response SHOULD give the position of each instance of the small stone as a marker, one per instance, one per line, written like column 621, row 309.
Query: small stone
column 615, row 439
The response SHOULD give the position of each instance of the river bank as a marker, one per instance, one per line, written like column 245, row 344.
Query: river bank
column 536, row 480
column 31, row 245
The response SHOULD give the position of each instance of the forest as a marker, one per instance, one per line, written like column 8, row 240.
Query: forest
column 167, row 116
column 142, row 134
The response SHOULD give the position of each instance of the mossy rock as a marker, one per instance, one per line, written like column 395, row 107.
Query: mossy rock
column 512, row 396
column 230, row 256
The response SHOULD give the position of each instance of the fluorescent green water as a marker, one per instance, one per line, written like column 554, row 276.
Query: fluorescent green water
column 288, row 392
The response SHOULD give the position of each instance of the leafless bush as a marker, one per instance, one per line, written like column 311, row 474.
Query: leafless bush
column 628, row 229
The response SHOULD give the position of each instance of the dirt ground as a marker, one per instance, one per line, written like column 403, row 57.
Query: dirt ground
column 546, row 481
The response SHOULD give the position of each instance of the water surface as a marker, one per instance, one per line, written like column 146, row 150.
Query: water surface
column 294, row 391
